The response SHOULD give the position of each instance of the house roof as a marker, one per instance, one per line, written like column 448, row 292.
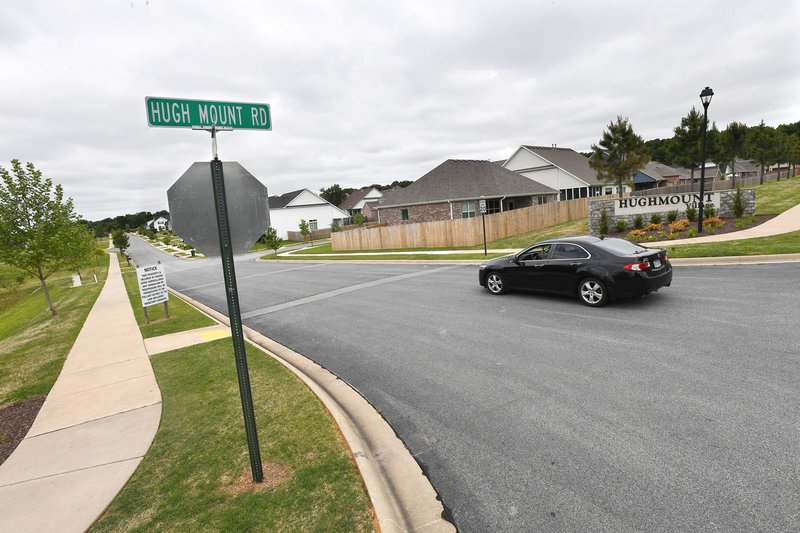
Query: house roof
column 566, row 159
column 463, row 180
column 279, row 202
column 354, row 198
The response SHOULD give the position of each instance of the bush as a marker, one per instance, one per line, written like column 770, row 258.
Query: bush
column 672, row 216
column 638, row 222
column 655, row 218
column 709, row 210
column 738, row 204
column 603, row 226
column 622, row 225
column 691, row 213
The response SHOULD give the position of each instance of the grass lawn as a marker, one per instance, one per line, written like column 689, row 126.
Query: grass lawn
column 182, row 316
column 33, row 346
column 196, row 475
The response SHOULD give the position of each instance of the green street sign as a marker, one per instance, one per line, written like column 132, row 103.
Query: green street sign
column 178, row 113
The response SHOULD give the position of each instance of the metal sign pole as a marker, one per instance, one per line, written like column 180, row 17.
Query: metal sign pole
column 235, row 315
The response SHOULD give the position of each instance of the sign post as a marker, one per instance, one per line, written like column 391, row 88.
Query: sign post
column 213, row 117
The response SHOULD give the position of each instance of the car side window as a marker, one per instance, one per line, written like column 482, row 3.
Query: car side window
column 536, row 254
column 569, row 251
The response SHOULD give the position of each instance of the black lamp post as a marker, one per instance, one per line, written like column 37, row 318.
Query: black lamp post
column 705, row 97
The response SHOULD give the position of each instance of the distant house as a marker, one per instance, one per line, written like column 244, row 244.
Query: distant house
column 562, row 169
column 354, row 204
column 287, row 210
column 654, row 175
column 454, row 190
column 158, row 224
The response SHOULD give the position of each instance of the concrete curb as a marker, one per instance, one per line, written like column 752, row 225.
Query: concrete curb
column 402, row 496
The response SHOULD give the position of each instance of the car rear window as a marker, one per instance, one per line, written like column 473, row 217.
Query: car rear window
column 620, row 247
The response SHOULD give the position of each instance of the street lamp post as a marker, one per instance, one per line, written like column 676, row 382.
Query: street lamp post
column 705, row 97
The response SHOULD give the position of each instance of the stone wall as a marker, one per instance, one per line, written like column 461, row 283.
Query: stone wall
column 663, row 204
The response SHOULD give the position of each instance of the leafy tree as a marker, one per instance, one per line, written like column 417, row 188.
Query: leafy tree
column 687, row 140
column 619, row 154
column 39, row 230
column 333, row 194
column 761, row 146
column 120, row 239
column 271, row 239
column 732, row 145
column 304, row 230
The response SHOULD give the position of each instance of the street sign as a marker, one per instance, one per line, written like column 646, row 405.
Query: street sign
column 152, row 284
column 179, row 113
column 192, row 208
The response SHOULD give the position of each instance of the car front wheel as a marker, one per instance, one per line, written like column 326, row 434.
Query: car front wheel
column 495, row 283
column 592, row 292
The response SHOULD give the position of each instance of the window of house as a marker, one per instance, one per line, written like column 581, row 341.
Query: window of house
column 312, row 225
column 404, row 214
column 492, row 206
column 468, row 209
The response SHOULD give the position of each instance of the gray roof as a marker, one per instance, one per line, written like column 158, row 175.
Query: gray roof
column 464, row 180
column 569, row 160
column 279, row 202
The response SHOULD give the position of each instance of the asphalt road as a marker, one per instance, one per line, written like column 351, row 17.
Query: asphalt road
column 675, row 412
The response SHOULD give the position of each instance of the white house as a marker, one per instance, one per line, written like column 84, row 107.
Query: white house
column 562, row 169
column 158, row 224
column 287, row 210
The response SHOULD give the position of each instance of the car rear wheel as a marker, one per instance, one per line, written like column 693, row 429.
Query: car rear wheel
column 592, row 292
column 495, row 283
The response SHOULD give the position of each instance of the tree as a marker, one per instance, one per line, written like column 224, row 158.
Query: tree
column 38, row 227
column 687, row 140
column 120, row 239
column 761, row 146
column 304, row 231
column 619, row 154
column 271, row 239
column 333, row 194
column 732, row 145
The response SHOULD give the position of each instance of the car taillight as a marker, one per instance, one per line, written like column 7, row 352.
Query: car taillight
column 636, row 267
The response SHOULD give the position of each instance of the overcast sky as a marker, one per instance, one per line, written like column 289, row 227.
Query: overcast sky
column 369, row 91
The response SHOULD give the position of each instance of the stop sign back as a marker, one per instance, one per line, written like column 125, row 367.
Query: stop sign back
column 193, row 214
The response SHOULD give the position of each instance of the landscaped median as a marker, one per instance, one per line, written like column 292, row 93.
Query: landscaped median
column 196, row 476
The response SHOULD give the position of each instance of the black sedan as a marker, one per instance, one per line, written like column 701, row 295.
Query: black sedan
column 595, row 269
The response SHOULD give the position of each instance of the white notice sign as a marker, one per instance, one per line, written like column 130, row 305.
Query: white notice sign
column 152, row 284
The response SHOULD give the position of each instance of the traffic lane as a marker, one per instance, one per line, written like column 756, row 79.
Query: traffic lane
column 536, row 411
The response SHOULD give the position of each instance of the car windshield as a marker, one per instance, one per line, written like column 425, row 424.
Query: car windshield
column 621, row 247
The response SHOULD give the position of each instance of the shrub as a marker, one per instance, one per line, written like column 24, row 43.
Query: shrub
column 622, row 225
column 655, row 218
column 691, row 213
column 672, row 216
column 603, row 226
column 638, row 222
column 738, row 204
column 679, row 225
column 709, row 210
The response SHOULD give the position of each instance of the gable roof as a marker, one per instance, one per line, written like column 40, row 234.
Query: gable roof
column 355, row 197
column 566, row 159
column 464, row 180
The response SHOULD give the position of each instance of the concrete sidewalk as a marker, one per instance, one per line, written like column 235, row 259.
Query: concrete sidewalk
column 93, row 430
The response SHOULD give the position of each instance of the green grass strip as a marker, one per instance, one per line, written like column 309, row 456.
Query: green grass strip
column 196, row 476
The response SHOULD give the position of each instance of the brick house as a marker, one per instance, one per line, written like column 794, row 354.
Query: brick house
column 454, row 190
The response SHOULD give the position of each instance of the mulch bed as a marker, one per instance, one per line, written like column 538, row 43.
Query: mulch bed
column 15, row 421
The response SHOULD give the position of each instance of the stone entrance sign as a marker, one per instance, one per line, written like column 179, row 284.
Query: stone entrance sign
column 193, row 214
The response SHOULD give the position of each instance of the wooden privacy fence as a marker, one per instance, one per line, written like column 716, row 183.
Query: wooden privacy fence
column 462, row 231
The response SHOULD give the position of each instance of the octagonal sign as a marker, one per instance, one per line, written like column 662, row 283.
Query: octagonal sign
column 194, row 217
